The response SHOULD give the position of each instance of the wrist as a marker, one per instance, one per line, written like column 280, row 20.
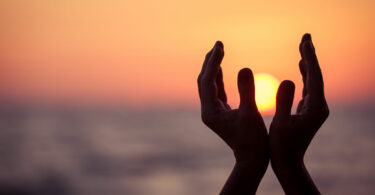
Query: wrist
column 254, row 166
column 281, row 167
column 294, row 177
column 255, row 171
column 244, row 179
column 286, row 163
column 256, row 159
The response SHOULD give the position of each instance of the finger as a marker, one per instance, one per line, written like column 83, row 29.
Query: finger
column 208, row 86
column 305, row 37
column 284, row 99
column 220, row 86
column 303, row 73
column 246, row 89
column 213, row 63
column 300, row 106
column 314, row 79
column 208, row 55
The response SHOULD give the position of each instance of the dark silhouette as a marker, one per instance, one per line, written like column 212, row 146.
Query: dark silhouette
column 244, row 131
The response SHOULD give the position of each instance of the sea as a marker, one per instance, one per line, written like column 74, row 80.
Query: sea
column 162, row 151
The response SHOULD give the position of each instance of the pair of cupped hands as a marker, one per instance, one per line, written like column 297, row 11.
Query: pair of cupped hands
column 245, row 133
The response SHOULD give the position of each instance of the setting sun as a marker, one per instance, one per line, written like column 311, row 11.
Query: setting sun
column 265, row 92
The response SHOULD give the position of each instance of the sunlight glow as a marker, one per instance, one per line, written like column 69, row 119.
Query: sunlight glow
column 265, row 92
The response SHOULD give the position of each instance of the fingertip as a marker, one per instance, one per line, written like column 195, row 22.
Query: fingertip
column 246, row 89
column 306, row 40
column 284, row 98
column 306, row 37
column 217, row 53
column 287, row 86
column 219, row 44
column 218, row 49
column 212, row 62
column 245, row 80
column 245, row 74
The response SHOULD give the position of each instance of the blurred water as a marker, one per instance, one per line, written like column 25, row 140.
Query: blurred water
column 161, row 152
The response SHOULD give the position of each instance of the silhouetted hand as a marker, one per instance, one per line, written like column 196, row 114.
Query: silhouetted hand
column 242, row 129
column 290, row 135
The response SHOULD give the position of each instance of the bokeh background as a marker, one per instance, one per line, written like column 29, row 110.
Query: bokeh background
column 100, row 96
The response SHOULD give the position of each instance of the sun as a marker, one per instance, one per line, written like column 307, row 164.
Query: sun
column 266, row 87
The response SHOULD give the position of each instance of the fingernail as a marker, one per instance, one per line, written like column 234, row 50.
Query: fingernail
column 308, row 36
column 219, row 43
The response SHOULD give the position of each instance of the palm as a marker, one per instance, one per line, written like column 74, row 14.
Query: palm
column 245, row 134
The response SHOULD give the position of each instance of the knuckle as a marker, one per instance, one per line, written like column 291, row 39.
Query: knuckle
column 199, row 78
column 208, row 55
column 206, row 80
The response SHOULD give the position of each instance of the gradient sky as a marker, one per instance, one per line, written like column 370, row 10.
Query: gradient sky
column 144, row 53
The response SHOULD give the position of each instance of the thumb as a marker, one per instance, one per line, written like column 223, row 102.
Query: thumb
column 284, row 99
column 246, row 89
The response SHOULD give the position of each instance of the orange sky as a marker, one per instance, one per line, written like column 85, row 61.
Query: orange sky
column 150, row 52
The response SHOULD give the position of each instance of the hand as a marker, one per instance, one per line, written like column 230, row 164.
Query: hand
column 242, row 129
column 290, row 135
